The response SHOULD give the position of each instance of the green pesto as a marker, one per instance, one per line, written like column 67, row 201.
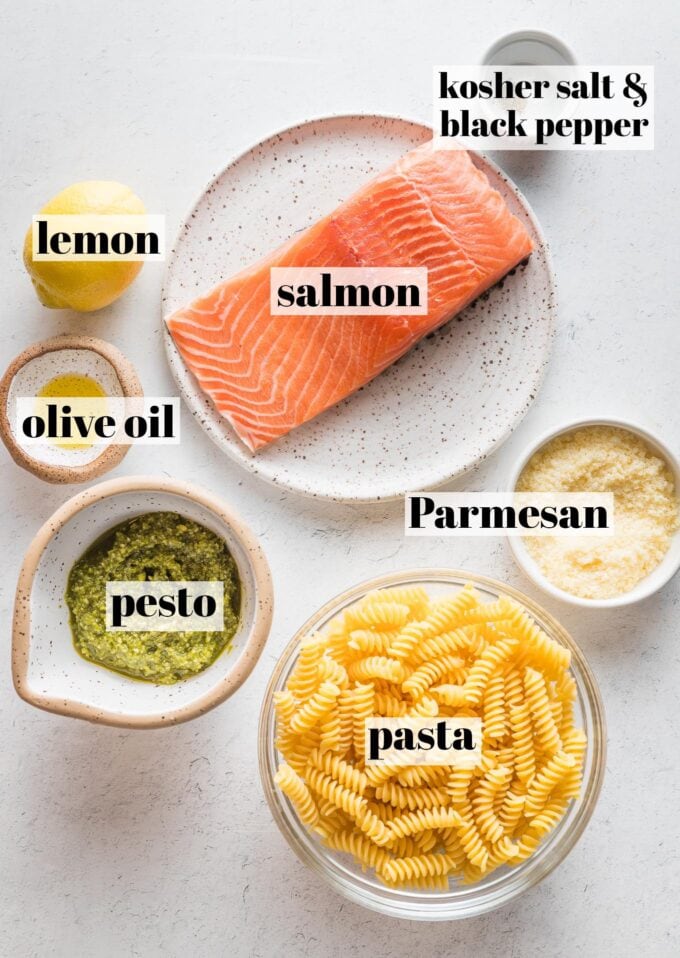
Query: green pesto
column 160, row 546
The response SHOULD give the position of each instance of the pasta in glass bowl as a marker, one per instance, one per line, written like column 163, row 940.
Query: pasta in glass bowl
column 421, row 841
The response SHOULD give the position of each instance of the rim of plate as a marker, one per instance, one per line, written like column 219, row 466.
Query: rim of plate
column 217, row 428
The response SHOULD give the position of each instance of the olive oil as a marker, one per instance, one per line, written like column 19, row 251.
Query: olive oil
column 71, row 385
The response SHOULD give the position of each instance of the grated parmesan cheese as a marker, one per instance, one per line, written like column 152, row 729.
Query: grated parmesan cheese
column 604, row 459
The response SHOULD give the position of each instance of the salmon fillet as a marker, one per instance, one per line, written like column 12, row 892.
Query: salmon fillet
column 268, row 374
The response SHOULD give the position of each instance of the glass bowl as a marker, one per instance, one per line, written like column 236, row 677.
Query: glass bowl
column 507, row 882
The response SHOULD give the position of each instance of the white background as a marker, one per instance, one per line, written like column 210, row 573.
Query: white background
column 117, row 843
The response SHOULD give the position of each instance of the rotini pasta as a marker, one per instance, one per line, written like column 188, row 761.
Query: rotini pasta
column 366, row 852
column 378, row 615
column 389, row 705
column 493, row 713
column 343, row 798
column 377, row 667
column 363, row 702
column 339, row 770
column 367, row 642
column 523, row 742
column 398, row 653
column 305, row 677
column 317, row 706
column 425, row 818
column 426, row 675
column 402, row 871
column 296, row 790
column 411, row 798
column 483, row 803
column 422, row 774
column 458, row 785
column 539, row 705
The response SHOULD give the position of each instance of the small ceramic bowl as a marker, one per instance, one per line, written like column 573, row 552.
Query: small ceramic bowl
column 530, row 48
column 668, row 566
column 31, row 371
column 47, row 670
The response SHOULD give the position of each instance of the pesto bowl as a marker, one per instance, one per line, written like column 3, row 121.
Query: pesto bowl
column 47, row 670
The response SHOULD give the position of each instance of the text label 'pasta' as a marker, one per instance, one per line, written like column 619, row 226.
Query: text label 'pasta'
column 421, row 740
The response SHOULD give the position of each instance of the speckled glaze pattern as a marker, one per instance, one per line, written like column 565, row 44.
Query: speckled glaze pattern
column 35, row 367
column 437, row 412
column 47, row 670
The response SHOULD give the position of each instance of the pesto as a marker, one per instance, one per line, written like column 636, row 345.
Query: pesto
column 160, row 546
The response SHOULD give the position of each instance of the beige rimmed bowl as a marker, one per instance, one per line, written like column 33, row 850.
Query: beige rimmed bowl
column 34, row 368
column 47, row 670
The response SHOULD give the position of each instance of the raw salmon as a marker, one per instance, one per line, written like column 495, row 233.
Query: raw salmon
column 268, row 374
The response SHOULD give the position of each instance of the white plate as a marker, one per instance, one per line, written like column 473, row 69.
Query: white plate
column 439, row 410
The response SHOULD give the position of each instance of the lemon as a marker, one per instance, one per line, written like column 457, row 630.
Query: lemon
column 84, row 287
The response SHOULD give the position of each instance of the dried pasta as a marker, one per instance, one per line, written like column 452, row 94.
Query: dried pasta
column 399, row 652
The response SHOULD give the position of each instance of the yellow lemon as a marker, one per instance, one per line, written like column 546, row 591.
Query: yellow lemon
column 77, row 285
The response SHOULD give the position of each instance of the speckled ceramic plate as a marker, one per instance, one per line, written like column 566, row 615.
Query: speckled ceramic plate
column 439, row 410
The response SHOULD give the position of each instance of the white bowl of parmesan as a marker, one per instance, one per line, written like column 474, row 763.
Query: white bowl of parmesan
column 604, row 455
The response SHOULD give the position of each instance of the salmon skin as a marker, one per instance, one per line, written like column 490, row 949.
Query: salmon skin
column 268, row 374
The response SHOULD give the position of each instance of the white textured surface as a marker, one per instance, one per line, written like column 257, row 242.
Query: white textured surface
column 121, row 843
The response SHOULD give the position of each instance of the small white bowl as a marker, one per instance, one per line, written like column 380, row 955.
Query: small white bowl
column 668, row 566
column 47, row 670
column 36, row 366
column 531, row 48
